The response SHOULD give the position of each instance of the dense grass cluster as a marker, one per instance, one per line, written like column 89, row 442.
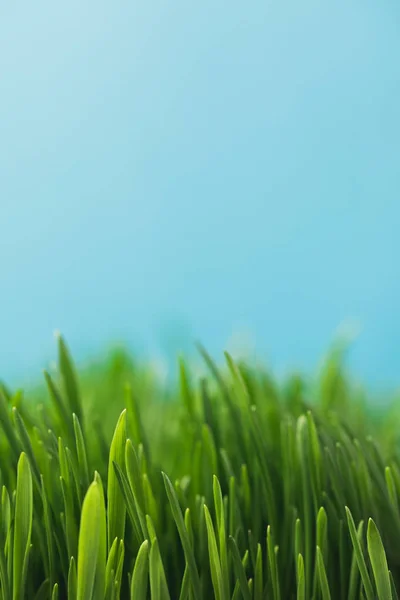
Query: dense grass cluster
column 230, row 488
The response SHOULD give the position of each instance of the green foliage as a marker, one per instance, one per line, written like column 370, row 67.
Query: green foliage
column 235, row 488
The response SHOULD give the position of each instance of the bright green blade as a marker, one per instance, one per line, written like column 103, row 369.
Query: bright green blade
column 116, row 510
column 378, row 560
column 215, row 564
column 184, row 536
column 99, row 582
column 136, row 485
column 301, row 584
column 72, row 580
column 323, row 580
column 239, row 570
column 360, row 557
column 23, row 526
column 89, row 543
column 158, row 583
column 54, row 595
column 221, row 529
column 140, row 575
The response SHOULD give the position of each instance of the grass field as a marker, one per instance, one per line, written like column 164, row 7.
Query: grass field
column 227, row 487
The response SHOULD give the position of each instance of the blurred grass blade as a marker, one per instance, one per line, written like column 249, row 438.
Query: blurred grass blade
column 59, row 405
column 67, row 371
column 8, row 428
column 393, row 587
column 139, row 436
column 186, row 391
column 129, row 502
column 391, row 487
column 4, row 582
column 44, row 592
column 136, row 484
column 27, row 445
column 81, row 452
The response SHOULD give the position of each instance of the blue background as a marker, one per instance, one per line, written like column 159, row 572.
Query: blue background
column 174, row 170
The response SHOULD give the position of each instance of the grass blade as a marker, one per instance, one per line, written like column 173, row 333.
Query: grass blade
column 116, row 511
column 239, row 569
column 54, row 595
column 215, row 565
column 139, row 582
column 369, row 592
column 378, row 561
column 354, row 570
column 81, row 452
column 184, row 536
column 301, row 584
column 99, row 582
column 23, row 526
column 158, row 582
column 67, row 371
column 89, row 542
column 323, row 580
column 72, row 580
column 223, row 552
column 273, row 566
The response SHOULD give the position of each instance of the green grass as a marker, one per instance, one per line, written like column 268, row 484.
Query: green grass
column 229, row 487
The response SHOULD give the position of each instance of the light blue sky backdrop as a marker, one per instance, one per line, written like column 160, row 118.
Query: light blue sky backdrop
column 225, row 165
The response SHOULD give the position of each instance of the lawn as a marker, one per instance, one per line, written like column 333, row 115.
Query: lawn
column 226, row 487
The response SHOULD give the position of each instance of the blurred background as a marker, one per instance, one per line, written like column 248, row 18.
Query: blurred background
column 226, row 172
